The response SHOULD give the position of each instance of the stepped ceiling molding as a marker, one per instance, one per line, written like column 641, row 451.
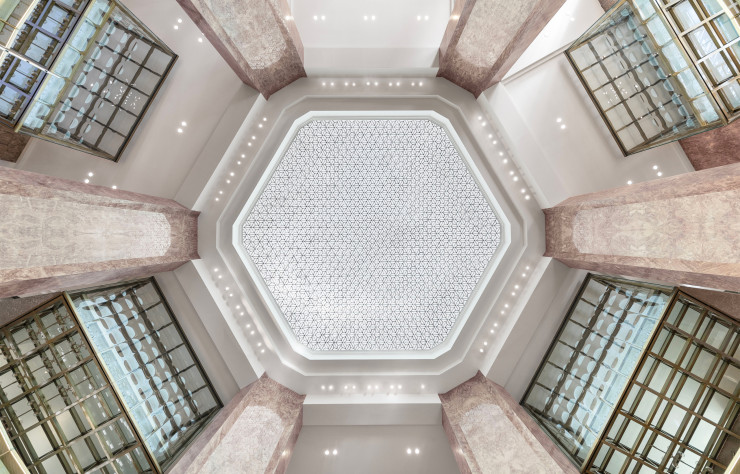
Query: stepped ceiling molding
column 275, row 269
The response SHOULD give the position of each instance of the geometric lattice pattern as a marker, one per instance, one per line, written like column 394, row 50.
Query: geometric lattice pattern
column 371, row 235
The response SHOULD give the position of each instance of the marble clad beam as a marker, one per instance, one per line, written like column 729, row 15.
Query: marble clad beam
column 254, row 434
column 491, row 433
column 607, row 4
column 11, row 144
column 682, row 229
column 257, row 38
column 484, row 38
column 717, row 147
column 57, row 234
column 723, row 301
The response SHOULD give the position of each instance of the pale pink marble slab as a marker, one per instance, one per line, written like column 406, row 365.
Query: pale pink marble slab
column 683, row 229
column 255, row 433
column 57, row 234
column 484, row 38
column 490, row 433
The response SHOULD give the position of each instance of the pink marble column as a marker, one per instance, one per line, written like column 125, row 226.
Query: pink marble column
column 683, row 229
column 255, row 433
column 713, row 148
column 57, row 234
column 484, row 38
column 607, row 4
column 491, row 433
column 258, row 38
column 723, row 301
column 11, row 144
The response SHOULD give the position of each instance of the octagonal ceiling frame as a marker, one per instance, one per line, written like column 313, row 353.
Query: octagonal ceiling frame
column 267, row 296
column 217, row 250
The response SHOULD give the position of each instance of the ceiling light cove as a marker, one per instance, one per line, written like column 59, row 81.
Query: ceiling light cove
column 370, row 234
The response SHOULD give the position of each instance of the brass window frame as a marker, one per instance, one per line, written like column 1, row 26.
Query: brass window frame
column 65, row 300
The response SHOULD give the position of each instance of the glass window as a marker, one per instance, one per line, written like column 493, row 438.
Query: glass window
column 155, row 371
column 60, row 413
column 591, row 360
column 681, row 411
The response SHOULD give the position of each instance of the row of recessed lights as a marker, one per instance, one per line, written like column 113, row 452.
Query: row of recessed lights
column 238, row 161
column 658, row 173
column 90, row 174
column 364, row 18
column 503, row 311
column 229, row 294
column 176, row 26
column 335, row 451
column 368, row 83
column 512, row 173
column 370, row 388
column 216, row 272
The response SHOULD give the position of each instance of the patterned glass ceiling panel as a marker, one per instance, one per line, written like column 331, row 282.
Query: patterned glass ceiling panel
column 371, row 235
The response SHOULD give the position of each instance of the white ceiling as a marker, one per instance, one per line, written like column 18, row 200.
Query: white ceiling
column 556, row 162
column 397, row 41
column 395, row 25
column 372, row 450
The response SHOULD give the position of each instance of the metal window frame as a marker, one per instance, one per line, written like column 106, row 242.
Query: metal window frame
column 676, row 371
column 94, row 356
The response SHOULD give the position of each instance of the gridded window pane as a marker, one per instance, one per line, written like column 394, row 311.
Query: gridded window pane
column 150, row 363
column 55, row 404
column 106, row 68
column 644, row 81
column 680, row 414
column 592, row 358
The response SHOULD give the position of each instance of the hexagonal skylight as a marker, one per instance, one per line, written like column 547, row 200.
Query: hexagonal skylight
column 371, row 234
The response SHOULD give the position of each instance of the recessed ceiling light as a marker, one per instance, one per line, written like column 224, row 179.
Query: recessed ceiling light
column 655, row 167
column 184, row 124
column 114, row 187
column 176, row 27
column 408, row 450
column 179, row 130
column 316, row 17
column 660, row 173
column 87, row 180
column 326, row 453
column 416, row 450
column 179, row 20
column 629, row 182
column 200, row 40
